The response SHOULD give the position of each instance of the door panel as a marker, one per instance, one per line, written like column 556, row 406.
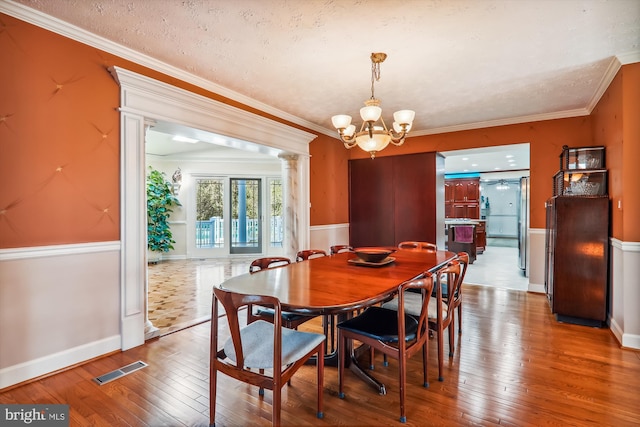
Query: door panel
column 246, row 216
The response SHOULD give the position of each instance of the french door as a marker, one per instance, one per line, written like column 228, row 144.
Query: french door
column 237, row 216
column 246, row 216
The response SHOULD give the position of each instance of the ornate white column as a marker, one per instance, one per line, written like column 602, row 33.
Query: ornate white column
column 290, row 194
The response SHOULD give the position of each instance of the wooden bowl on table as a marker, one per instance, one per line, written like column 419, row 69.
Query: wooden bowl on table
column 373, row 255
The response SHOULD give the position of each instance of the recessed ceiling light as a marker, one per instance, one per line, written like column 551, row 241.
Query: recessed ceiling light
column 474, row 164
column 465, row 170
column 465, row 158
column 508, row 156
column 180, row 138
column 497, row 168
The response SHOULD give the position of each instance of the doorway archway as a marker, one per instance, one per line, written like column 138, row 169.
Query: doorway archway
column 144, row 100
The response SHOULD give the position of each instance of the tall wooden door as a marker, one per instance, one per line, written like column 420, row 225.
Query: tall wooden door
column 396, row 198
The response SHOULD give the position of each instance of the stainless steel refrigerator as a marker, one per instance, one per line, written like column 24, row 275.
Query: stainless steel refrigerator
column 523, row 226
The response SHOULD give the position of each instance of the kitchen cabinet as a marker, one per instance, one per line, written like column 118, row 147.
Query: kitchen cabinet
column 466, row 190
column 462, row 198
column 465, row 210
column 396, row 198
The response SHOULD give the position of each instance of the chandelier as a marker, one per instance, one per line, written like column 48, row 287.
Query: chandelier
column 373, row 137
column 502, row 185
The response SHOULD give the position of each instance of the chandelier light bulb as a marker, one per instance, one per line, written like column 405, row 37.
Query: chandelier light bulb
column 404, row 116
column 370, row 113
column 341, row 121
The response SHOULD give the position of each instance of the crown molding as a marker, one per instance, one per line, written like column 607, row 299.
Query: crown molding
column 629, row 57
column 504, row 122
column 607, row 78
column 65, row 29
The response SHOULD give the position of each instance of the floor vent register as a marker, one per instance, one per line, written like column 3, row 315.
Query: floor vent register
column 125, row 370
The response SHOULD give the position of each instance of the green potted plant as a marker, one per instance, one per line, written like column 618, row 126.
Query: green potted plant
column 160, row 200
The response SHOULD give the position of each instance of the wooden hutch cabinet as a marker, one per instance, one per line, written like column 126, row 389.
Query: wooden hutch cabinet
column 577, row 241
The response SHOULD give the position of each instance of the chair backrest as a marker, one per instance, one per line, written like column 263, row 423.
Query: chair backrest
column 451, row 274
column 309, row 254
column 424, row 286
column 232, row 302
column 337, row 249
column 419, row 246
column 269, row 262
column 463, row 260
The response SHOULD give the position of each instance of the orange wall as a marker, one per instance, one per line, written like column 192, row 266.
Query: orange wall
column 631, row 153
column 616, row 126
column 59, row 139
column 328, row 181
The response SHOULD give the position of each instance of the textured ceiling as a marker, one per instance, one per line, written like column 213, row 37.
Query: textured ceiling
column 457, row 63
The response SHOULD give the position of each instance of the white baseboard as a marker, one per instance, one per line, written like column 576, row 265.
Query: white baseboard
column 54, row 362
column 534, row 287
column 630, row 341
column 615, row 328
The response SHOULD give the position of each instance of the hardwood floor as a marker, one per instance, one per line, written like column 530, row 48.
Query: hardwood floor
column 514, row 365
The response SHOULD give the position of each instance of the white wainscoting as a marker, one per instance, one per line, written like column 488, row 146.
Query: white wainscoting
column 59, row 306
column 536, row 248
column 325, row 236
column 624, row 282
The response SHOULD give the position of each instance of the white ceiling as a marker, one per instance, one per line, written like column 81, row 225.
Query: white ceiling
column 460, row 64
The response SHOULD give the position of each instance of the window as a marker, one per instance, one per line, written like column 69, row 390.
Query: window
column 210, row 213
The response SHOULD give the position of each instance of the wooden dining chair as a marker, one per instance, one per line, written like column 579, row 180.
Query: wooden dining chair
column 441, row 312
column 393, row 332
column 420, row 246
column 289, row 320
column 260, row 345
column 338, row 249
column 268, row 262
column 442, row 316
column 309, row 254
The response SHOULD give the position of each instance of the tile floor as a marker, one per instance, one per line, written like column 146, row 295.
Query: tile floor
column 180, row 291
column 497, row 267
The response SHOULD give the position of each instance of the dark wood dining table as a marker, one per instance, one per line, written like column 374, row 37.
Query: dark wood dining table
column 334, row 285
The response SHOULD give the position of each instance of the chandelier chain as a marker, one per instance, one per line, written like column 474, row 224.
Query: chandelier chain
column 375, row 76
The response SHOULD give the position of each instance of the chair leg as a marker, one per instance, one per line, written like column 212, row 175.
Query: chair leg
column 334, row 322
column 425, row 358
column 213, row 383
column 261, row 390
column 277, row 405
column 402, row 364
column 320, row 380
column 440, row 352
column 342, row 349
column 460, row 318
column 452, row 344
column 372, row 355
